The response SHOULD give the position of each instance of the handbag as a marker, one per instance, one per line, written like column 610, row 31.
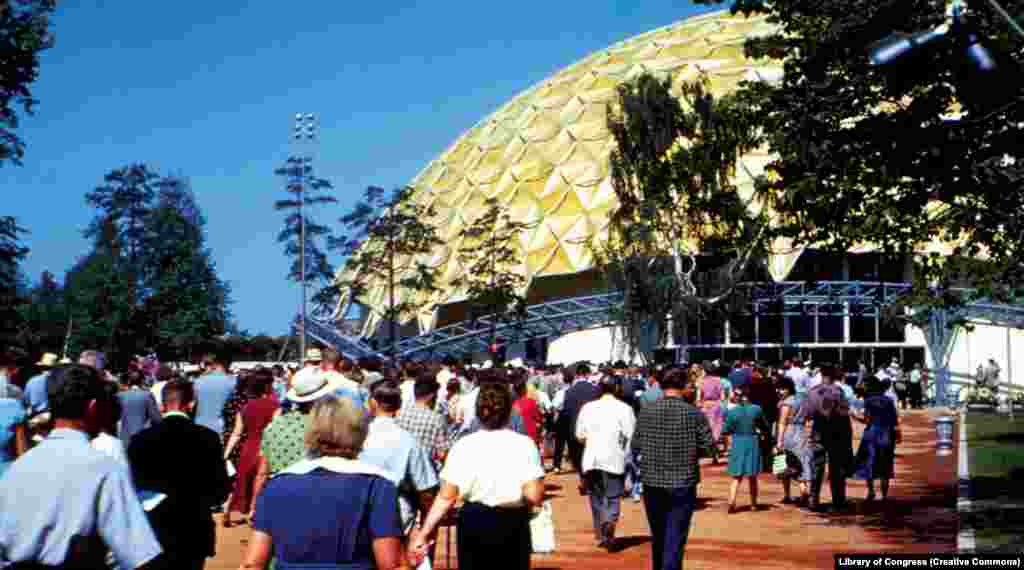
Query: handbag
column 779, row 464
column 542, row 530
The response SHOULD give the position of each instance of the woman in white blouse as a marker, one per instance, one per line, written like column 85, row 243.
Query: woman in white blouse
column 499, row 476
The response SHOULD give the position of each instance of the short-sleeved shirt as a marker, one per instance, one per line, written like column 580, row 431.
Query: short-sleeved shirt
column 35, row 393
column 491, row 466
column 327, row 518
column 606, row 425
column 64, row 488
column 12, row 414
column 427, row 426
column 284, row 441
column 407, row 463
column 212, row 392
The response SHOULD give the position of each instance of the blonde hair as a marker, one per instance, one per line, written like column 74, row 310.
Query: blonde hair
column 336, row 428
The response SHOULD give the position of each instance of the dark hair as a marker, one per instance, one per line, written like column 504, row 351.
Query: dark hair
column 370, row 364
column 388, row 395
column 110, row 422
column 611, row 385
column 345, row 365
column 134, row 377
column 220, row 357
column 71, row 388
column 831, row 371
column 787, row 384
column 454, row 387
column 674, row 379
column 259, row 382
column 426, row 385
column 450, row 361
column 582, row 369
column 180, row 391
column 493, row 406
column 873, row 385
column 520, row 388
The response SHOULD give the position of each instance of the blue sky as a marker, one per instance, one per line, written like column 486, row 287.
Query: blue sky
column 209, row 90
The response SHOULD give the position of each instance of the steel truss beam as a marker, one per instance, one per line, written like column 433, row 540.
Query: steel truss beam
column 564, row 316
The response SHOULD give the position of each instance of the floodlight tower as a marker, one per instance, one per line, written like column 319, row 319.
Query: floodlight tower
column 304, row 139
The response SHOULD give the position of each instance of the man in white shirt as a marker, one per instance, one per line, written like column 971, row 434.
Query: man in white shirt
column 605, row 427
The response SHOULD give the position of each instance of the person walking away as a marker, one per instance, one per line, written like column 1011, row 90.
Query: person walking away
column 396, row 451
column 915, row 387
column 14, row 415
column 580, row 393
column 254, row 419
column 428, row 427
column 827, row 414
column 791, row 439
column 529, row 411
column 283, row 442
column 138, row 406
column 561, row 436
column 671, row 436
column 498, row 475
column 710, row 397
column 745, row 424
column 331, row 511
column 605, row 428
column 63, row 503
column 184, row 461
column 213, row 390
column 877, row 452
column 106, row 440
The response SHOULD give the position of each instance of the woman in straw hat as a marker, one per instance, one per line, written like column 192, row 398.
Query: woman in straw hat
column 347, row 506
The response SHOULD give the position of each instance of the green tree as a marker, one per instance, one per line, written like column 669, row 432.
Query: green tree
column 98, row 292
column 895, row 156
column 386, row 242
column 492, row 278
column 11, row 253
column 24, row 33
column 679, row 211
column 306, row 191
column 44, row 316
column 186, row 301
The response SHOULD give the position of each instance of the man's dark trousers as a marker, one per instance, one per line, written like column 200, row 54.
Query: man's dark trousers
column 831, row 445
column 562, row 436
column 669, row 512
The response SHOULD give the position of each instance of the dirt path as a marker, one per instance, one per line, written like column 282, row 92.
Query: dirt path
column 920, row 517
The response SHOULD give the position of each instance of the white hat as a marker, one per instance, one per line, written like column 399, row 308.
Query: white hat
column 517, row 363
column 487, row 364
column 308, row 384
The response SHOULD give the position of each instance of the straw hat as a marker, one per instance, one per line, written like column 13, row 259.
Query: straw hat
column 308, row 384
column 48, row 360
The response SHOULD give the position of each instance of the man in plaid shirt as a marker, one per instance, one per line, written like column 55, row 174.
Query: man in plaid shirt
column 427, row 426
column 670, row 438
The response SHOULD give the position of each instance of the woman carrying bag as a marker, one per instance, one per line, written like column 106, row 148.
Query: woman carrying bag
column 743, row 425
column 877, row 451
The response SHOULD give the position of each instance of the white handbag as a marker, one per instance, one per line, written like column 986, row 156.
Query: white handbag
column 542, row 530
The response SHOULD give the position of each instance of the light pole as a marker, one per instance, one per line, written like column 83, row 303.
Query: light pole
column 305, row 132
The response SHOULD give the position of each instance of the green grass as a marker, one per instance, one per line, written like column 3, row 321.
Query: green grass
column 996, row 456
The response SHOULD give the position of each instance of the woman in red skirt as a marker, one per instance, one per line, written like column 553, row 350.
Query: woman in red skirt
column 255, row 417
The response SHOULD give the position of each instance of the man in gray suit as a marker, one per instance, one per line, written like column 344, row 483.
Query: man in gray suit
column 138, row 407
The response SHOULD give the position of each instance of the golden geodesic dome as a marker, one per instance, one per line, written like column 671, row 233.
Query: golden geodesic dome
column 544, row 155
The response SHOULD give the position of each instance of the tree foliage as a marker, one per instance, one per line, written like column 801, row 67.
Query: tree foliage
column 676, row 151
column 306, row 191
column 11, row 253
column 24, row 33
column 149, row 282
column 386, row 240
column 492, row 278
column 895, row 156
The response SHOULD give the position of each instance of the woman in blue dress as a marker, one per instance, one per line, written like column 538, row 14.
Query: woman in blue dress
column 743, row 423
column 791, row 438
column 877, row 451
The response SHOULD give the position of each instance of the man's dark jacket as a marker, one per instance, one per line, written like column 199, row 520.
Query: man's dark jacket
column 184, row 461
column 579, row 394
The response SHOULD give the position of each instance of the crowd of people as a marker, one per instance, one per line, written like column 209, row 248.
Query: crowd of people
column 358, row 464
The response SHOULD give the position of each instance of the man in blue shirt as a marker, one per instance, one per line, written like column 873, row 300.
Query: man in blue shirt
column 64, row 503
column 35, row 389
column 213, row 390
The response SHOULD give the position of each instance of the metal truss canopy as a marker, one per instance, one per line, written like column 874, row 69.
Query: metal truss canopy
column 563, row 316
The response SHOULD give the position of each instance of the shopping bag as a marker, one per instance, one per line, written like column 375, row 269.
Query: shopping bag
column 542, row 530
column 779, row 464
